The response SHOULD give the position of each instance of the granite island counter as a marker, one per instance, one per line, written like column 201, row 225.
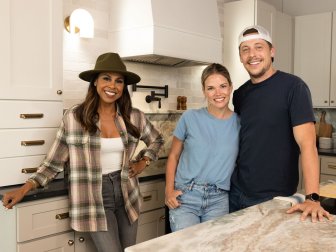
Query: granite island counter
column 264, row 227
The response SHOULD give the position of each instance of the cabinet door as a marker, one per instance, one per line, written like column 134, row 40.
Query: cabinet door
column 31, row 49
column 84, row 243
column 312, row 55
column 42, row 218
column 63, row 242
column 151, row 225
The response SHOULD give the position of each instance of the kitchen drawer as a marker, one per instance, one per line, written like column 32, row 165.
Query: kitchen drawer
column 16, row 170
column 38, row 141
column 153, row 193
column 326, row 177
column 151, row 225
column 328, row 165
column 30, row 114
column 46, row 217
column 62, row 242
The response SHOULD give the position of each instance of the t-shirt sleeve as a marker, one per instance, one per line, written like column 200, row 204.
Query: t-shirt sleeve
column 181, row 127
column 301, row 107
column 235, row 100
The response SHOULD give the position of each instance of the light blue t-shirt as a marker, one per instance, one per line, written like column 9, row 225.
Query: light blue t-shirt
column 210, row 148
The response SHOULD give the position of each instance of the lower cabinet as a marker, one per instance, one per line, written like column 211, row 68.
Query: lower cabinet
column 44, row 225
column 328, row 168
column 40, row 226
column 151, row 225
column 152, row 217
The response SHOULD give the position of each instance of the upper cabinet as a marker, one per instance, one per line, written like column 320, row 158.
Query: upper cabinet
column 31, row 49
column 315, row 56
column 240, row 14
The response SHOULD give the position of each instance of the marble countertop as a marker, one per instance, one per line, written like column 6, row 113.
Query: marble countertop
column 264, row 227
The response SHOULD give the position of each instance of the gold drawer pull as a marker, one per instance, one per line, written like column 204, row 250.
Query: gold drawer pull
column 32, row 143
column 29, row 170
column 332, row 166
column 62, row 216
column 162, row 218
column 31, row 116
column 147, row 198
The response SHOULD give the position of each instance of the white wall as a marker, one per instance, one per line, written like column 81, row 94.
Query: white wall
column 80, row 54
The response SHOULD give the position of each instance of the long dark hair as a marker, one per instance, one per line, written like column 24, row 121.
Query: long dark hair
column 87, row 115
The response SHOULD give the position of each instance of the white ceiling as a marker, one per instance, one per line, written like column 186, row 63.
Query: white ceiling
column 301, row 7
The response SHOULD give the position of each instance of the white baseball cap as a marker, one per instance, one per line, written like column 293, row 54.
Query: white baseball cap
column 262, row 33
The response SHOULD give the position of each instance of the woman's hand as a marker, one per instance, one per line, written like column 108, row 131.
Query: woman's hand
column 13, row 197
column 136, row 168
column 171, row 199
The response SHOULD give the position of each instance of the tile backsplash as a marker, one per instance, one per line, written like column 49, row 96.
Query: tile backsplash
column 330, row 116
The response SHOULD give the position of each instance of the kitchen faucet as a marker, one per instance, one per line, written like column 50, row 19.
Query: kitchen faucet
column 152, row 97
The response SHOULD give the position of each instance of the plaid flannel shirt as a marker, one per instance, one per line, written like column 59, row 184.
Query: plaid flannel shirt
column 78, row 151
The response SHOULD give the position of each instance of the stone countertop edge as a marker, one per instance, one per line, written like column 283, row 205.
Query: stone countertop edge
column 58, row 188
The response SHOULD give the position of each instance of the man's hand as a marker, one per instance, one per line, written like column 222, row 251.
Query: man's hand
column 311, row 208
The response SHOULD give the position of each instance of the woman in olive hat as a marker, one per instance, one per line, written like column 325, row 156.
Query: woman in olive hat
column 96, row 142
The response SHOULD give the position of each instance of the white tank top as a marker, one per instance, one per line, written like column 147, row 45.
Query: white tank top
column 111, row 153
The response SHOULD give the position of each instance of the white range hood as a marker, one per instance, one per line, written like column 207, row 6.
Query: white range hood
column 166, row 32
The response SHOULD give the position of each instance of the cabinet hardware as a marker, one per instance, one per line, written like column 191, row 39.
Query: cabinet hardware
column 62, row 216
column 31, row 116
column 332, row 166
column 29, row 170
column 71, row 242
column 147, row 198
column 59, row 92
column 162, row 218
column 31, row 143
column 81, row 239
column 331, row 101
column 325, row 101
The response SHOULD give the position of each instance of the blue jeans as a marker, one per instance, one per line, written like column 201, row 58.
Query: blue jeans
column 238, row 200
column 199, row 203
column 121, row 233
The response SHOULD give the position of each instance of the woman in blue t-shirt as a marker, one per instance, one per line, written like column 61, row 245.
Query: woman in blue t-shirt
column 203, row 155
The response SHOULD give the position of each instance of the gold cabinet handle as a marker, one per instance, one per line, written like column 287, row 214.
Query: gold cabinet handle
column 71, row 242
column 81, row 239
column 147, row 198
column 29, row 170
column 31, row 116
column 32, row 143
column 332, row 166
column 62, row 216
column 162, row 218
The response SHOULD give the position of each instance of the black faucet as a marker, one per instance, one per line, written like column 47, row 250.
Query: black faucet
column 152, row 97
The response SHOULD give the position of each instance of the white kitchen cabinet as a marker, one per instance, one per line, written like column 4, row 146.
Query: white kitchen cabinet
column 240, row 14
column 31, row 49
column 151, row 225
column 152, row 217
column 315, row 57
column 41, row 225
column 328, row 168
column 31, row 71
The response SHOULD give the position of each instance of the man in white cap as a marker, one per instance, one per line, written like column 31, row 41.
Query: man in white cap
column 277, row 125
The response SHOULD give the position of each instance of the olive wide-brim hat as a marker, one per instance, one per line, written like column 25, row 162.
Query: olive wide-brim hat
column 110, row 62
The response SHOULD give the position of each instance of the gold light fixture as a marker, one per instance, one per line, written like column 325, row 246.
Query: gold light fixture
column 80, row 21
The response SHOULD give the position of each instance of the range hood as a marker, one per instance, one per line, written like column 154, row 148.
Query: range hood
column 166, row 32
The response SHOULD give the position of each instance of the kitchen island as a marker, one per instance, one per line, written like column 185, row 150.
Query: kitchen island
column 264, row 227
